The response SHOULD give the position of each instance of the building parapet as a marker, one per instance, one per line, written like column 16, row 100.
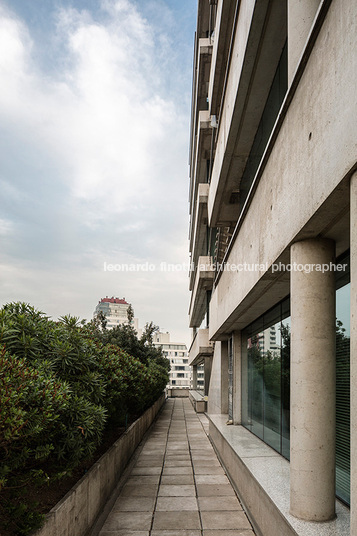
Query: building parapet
column 200, row 348
column 204, row 277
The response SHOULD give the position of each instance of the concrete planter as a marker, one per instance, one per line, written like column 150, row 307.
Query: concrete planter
column 76, row 513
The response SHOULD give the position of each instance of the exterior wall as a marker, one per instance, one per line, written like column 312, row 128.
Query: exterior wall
column 294, row 186
column 176, row 353
column 215, row 388
column 115, row 310
column 299, row 200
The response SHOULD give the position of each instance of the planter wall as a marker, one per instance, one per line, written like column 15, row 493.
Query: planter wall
column 80, row 507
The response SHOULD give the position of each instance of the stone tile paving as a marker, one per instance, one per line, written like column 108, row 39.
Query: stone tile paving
column 177, row 486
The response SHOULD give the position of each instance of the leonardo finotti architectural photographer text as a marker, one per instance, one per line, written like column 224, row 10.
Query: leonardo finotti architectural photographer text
column 225, row 267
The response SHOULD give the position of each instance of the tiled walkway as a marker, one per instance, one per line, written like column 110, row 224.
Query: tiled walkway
column 177, row 486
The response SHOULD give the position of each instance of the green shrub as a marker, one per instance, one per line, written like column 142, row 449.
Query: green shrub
column 60, row 385
column 31, row 408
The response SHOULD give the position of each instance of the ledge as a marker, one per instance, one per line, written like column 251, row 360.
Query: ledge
column 200, row 348
column 204, row 276
column 198, row 228
column 198, row 401
column 261, row 478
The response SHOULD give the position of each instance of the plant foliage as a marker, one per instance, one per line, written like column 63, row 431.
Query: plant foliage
column 61, row 383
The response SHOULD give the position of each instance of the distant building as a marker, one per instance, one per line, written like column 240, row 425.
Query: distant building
column 176, row 352
column 115, row 310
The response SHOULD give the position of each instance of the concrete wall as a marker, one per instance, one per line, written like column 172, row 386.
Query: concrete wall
column 218, row 389
column 260, row 508
column 314, row 151
column 177, row 393
column 75, row 514
column 214, row 395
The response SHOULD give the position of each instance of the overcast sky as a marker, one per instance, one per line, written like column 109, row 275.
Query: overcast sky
column 94, row 131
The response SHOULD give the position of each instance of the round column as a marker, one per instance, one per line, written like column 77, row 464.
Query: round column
column 312, row 382
column 194, row 377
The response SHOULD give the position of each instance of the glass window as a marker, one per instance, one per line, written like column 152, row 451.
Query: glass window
column 343, row 468
column 266, row 376
column 266, row 379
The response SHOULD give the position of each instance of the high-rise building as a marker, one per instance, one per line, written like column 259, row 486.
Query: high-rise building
column 176, row 353
column 273, row 242
column 115, row 310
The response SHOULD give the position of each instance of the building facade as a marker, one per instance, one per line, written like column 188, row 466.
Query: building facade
column 115, row 310
column 273, row 237
column 176, row 353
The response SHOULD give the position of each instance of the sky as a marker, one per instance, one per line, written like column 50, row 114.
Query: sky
column 94, row 133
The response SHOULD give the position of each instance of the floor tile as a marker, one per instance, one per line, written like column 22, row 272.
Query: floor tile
column 177, row 491
column 175, row 520
column 215, row 490
column 134, row 504
column 208, row 470
column 139, row 491
column 146, row 470
column 124, row 532
column 211, row 479
column 143, row 480
column 177, row 479
column 225, row 520
column 167, row 504
column 206, row 463
column 178, row 463
column 128, row 520
column 176, row 533
column 177, row 471
column 228, row 532
column 175, row 456
column 211, row 504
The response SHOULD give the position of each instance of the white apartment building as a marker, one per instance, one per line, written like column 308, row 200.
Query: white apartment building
column 273, row 245
column 176, row 352
column 115, row 310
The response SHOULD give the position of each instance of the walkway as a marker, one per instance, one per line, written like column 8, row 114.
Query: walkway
column 177, row 486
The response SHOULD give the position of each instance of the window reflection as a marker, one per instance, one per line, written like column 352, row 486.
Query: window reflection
column 266, row 380
column 266, row 403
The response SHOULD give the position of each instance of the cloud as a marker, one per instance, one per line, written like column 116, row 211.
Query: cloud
column 93, row 155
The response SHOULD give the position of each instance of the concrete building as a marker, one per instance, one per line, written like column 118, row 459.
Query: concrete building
column 176, row 352
column 273, row 244
column 115, row 310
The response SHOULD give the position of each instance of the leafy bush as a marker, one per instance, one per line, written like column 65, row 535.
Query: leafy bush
column 60, row 385
column 32, row 404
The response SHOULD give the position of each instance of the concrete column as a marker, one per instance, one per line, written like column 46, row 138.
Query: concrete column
column 237, row 377
column 194, row 377
column 207, row 373
column 301, row 14
column 354, row 354
column 224, row 377
column 312, row 383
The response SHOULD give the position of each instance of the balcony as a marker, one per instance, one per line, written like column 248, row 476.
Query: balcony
column 201, row 155
column 222, row 39
column 203, row 281
column 203, row 71
column 259, row 36
column 202, row 66
column 198, row 229
column 200, row 348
